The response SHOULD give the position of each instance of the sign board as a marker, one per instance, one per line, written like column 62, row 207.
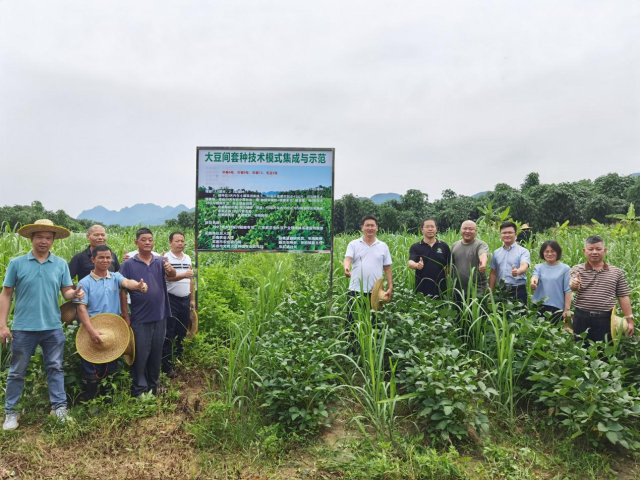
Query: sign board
column 264, row 199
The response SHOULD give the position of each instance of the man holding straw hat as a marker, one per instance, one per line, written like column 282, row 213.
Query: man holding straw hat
column 365, row 260
column 37, row 279
column 102, row 289
column 598, row 285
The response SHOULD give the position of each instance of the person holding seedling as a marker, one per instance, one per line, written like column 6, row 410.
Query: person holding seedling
column 81, row 264
column 550, row 283
column 510, row 264
column 430, row 259
column 37, row 279
column 598, row 286
column 365, row 261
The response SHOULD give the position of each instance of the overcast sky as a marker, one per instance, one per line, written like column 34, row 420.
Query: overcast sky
column 105, row 102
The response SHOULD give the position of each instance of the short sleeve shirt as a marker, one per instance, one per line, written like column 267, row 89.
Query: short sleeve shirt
column 152, row 306
column 367, row 263
column 181, row 288
column 432, row 279
column 504, row 258
column 553, row 284
column 599, row 289
column 37, row 290
column 101, row 295
column 466, row 256
column 81, row 264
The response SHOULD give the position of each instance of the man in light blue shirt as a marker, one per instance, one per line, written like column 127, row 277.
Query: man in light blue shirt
column 37, row 278
column 102, row 295
column 510, row 264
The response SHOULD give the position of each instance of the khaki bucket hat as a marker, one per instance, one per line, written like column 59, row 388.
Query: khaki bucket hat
column 68, row 312
column 193, row 324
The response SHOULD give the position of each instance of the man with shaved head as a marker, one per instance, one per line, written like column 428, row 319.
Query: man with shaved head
column 469, row 256
column 81, row 264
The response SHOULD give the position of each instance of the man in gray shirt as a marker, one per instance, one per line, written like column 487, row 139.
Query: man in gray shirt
column 467, row 254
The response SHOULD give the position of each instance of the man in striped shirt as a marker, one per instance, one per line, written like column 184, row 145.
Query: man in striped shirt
column 597, row 286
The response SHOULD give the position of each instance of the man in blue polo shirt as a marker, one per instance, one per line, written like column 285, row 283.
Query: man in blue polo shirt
column 510, row 264
column 102, row 295
column 37, row 279
column 149, row 312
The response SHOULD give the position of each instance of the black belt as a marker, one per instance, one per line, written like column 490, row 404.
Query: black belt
column 176, row 296
column 588, row 313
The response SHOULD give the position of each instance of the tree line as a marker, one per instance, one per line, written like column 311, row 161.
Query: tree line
column 540, row 205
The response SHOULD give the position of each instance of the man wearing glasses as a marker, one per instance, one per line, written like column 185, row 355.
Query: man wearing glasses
column 510, row 264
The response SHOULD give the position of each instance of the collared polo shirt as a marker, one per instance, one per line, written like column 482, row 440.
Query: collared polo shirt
column 504, row 258
column 181, row 288
column 152, row 306
column 599, row 289
column 367, row 263
column 102, row 295
column 432, row 279
column 37, row 289
column 81, row 264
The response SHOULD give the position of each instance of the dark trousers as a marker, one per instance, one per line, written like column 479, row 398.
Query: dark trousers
column 177, row 325
column 98, row 370
column 555, row 312
column 519, row 292
column 596, row 326
column 145, row 371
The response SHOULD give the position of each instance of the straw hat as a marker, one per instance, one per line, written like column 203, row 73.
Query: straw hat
column 115, row 337
column 568, row 324
column 130, row 352
column 378, row 295
column 525, row 226
column 193, row 324
column 68, row 312
column 619, row 326
column 43, row 225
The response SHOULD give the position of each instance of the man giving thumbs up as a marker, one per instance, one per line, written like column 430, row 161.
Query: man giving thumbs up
column 430, row 258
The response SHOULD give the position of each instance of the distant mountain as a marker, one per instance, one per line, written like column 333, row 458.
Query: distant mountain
column 635, row 174
column 479, row 194
column 139, row 214
column 380, row 198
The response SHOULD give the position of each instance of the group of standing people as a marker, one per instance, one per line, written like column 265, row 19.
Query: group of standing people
column 160, row 290
column 597, row 286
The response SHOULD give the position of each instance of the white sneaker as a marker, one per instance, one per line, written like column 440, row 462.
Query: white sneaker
column 11, row 421
column 62, row 414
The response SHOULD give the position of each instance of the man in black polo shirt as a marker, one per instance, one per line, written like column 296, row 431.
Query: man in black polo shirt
column 430, row 258
column 598, row 286
column 81, row 264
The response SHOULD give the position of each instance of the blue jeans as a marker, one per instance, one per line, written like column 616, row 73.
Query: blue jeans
column 23, row 347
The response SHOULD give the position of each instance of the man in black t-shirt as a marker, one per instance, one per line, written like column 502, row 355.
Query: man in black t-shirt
column 430, row 259
column 81, row 264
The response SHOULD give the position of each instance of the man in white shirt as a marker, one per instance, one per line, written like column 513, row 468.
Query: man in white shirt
column 365, row 260
column 180, row 290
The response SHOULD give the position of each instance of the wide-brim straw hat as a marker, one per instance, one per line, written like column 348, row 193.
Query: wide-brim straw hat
column 116, row 335
column 43, row 225
column 378, row 295
column 193, row 324
column 619, row 326
column 68, row 312
column 525, row 226
column 130, row 352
